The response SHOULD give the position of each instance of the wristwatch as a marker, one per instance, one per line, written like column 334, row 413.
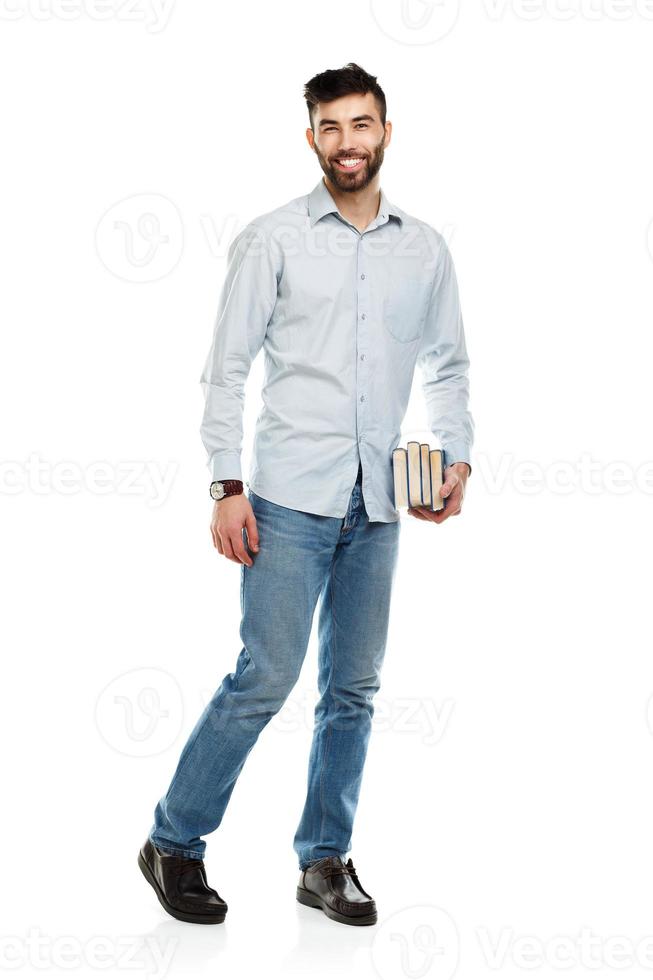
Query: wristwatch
column 225, row 488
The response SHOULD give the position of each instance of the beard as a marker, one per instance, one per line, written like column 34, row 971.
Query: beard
column 356, row 181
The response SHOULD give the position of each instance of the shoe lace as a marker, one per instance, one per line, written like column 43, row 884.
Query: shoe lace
column 338, row 869
column 188, row 864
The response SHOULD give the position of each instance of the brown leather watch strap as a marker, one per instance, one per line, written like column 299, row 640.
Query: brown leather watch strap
column 231, row 487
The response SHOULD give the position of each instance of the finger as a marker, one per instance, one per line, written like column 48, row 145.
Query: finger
column 246, row 546
column 215, row 537
column 227, row 549
column 252, row 532
column 429, row 515
column 448, row 512
column 239, row 550
column 449, row 484
column 454, row 496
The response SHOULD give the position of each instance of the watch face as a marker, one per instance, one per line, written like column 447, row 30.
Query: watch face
column 217, row 490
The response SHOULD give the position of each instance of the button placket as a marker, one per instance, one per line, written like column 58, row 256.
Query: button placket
column 362, row 334
column 361, row 339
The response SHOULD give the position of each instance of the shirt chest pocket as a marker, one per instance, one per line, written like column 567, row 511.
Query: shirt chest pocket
column 405, row 306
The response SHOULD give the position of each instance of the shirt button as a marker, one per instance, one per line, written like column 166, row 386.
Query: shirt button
column 362, row 357
column 362, row 398
column 362, row 275
column 363, row 316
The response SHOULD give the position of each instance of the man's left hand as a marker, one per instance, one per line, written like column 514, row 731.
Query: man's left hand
column 453, row 490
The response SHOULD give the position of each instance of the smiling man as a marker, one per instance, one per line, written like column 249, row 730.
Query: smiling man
column 346, row 294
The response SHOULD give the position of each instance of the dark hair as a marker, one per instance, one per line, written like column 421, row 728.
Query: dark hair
column 336, row 82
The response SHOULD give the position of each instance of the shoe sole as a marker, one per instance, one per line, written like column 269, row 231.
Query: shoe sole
column 209, row 918
column 314, row 901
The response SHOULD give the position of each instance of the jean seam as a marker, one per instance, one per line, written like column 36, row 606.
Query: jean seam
column 210, row 710
column 197, row 855
column 327, row 740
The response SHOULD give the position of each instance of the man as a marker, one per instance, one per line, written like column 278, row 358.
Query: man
column 346, row 293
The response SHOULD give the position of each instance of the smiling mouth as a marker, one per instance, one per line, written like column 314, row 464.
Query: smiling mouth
column 350, row 163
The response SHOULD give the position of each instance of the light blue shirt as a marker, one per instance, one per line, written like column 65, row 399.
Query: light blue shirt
column 343, row 317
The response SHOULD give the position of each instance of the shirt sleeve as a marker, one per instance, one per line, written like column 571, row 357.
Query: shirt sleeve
column 246, row 304
column 443, row 362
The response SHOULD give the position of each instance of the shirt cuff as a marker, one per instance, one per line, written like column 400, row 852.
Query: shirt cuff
column 225, row 466
column 458, row 452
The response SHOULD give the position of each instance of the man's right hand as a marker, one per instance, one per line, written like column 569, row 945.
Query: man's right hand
column 230, row 516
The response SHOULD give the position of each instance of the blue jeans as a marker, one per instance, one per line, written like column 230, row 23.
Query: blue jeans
column 349, row 563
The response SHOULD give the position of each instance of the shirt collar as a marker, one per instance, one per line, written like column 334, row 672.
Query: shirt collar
column 320, row 203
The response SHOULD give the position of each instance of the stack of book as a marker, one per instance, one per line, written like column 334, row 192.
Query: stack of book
column 418, row 476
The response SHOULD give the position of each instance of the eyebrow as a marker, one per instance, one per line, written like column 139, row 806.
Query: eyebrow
column 334, row 122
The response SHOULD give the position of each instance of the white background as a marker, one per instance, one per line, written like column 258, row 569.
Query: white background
column 507, row 798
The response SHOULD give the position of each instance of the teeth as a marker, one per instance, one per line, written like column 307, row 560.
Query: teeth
column 350, row 162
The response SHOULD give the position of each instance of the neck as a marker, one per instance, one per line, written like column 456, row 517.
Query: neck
column 359, row 207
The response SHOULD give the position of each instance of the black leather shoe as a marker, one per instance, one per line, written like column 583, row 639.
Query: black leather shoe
column 181, row 886
column 333, row 886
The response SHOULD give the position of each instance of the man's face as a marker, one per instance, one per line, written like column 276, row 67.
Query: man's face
column 349, row 129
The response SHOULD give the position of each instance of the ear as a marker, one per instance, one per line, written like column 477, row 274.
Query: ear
column 388, row 134
column 310, row 137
